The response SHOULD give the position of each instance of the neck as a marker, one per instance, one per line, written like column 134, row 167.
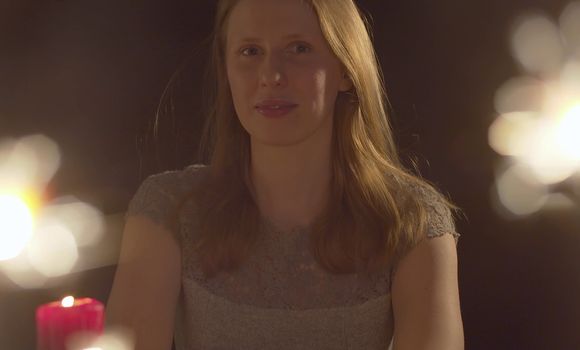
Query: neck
column 291, row 183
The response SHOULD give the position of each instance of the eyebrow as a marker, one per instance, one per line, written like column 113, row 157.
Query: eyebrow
column 290, row 36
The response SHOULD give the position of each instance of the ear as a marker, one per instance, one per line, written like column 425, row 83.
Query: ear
column 345, row 82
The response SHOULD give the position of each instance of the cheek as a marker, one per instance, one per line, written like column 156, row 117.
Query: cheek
column 238, row 88
column 322, row 88
column 240, row 79
column 321, row 81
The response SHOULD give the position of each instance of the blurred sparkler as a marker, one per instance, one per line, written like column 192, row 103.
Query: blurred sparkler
column 39, row 240
column 538, row 123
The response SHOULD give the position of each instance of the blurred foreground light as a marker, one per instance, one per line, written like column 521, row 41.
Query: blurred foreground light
column 545, row 156
column 53, row 250
column 114, row 338
column 519, row 192
column 520, row 94
column 38, row 242
column 576, row 187
column 538, row 123
column 18, row 164
column 20, row 272
column 550, row 146
column 560, row 202
column 29, row 161
column 48, row 154
column 15, row 226
column 537, row 45
column 570, row 78
column 83, row 220
column 568, row 135
column 512, row 134
column 570, row 25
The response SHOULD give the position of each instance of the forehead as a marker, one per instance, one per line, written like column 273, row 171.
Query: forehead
column 270, row 19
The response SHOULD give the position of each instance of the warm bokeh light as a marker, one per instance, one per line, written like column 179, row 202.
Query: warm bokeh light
column 40, row 238
column 52, row 246
column 511, row 134
column 538, row 123
column 83, row 220
column 48, row 155
column 519, row 192
column 567, row 135
column 570, row 25
column 20, row 272
column 68, row 301
column 570, row 79
column 18, row 164
column 550, row 146
column 114, row 338
column 16, row 226
column 53, row 250
column 28, row 161
column 536, row 44
column 560, row 202
column 521, row 94
column 545, row 157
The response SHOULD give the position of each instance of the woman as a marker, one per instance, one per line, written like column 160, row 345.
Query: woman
column 304, row 231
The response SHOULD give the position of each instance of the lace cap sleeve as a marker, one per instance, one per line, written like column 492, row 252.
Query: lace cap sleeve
column 156, row 200
column 439, row 216
column 439, row 220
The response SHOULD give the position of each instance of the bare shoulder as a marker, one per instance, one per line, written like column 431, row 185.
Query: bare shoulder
column 146, row 285
column 425, row 288
column 425, row 297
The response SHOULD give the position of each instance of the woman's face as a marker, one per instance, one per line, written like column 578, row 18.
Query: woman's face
column 275, row 50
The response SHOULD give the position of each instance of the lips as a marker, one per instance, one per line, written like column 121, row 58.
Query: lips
column 275, row 104
column 271, row 112
column 276, row 107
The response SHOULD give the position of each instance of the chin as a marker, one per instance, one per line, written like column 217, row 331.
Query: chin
column 279, row 139
column 274, row 142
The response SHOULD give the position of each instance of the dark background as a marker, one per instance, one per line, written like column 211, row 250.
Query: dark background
column 90, row 74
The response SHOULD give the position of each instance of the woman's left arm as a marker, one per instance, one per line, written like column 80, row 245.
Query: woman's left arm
column 425, row 298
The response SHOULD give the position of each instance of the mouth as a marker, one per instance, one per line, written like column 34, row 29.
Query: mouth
column 275, row 103
column 274, row 106
column 275, row 110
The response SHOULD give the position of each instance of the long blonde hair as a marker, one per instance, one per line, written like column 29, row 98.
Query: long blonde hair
column 373, row 211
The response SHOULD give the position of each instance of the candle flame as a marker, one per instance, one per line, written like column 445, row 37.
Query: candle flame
column 68, row 301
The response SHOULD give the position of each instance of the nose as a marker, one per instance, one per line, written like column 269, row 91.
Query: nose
column 272, row 72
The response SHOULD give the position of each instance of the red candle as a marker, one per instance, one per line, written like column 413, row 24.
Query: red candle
column 58, row 320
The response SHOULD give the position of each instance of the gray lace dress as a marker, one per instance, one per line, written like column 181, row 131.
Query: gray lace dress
column 280, row 298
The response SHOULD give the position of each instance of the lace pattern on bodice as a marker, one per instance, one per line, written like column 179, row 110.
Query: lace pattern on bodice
column 282, row 274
